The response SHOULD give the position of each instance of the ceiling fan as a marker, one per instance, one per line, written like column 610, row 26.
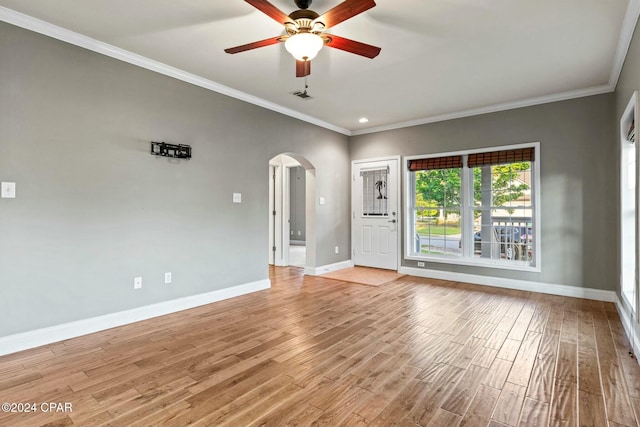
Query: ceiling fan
column 305, row 31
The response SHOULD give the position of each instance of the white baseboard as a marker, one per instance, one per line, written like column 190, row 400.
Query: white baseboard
column 523, row 285
column 628, row 322
column 39, row 337
column 310, row 271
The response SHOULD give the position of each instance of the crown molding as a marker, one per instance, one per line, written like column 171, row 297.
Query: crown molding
column 624, row 41
column 36, row 25
column 30, row 23
column 597, row 90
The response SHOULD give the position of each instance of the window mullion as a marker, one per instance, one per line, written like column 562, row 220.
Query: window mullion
column 466, row 210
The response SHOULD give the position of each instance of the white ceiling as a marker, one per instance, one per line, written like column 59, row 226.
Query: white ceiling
column 440, row 58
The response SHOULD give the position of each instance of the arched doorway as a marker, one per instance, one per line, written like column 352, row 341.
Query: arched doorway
column 285, row 205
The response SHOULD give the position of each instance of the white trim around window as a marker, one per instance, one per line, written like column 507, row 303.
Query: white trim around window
column 465, row 255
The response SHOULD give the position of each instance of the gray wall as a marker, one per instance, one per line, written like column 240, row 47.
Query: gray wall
column 95, row 209
column 578, row 180
column 297, row 203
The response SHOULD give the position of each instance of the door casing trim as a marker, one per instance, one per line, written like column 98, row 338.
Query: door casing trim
column 399, row 201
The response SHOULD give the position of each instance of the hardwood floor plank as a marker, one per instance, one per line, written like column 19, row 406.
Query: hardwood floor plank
column 343, row 406
column 496, row 339
column 402, row 404
column 591, row 410
column 563, row 409
column 497, row 373
column 520, row 327
column 458, row 401
column 567, row 367
column 540, row 317
column 315, row 351
column 143, row 409
column 355, row 420
column 267, row 402
column 306, row 417
column 534, row 413
column 484, row 357
column 444, row 418
column 550, row 341
column 509, row 405
column 617, row 401
column 631, row 373
column 509, row 350
column 523, row 364
column 385, row 393
column 482, row 406
column 437, row 390
column 542, row 378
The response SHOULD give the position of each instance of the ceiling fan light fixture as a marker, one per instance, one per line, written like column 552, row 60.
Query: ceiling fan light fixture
column 304, row 46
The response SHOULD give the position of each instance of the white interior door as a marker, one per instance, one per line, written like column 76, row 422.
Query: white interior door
column 375, row 214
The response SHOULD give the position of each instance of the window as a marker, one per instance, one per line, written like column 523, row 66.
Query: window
column 374, row 192
column 628, row 212
column 437, row 203
column 476, row 207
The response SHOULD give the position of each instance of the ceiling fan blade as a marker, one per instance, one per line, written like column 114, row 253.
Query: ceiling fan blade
column 270, row 10
column 254, row 45
column 343, row 11
column 353, row 46
column 303, row 68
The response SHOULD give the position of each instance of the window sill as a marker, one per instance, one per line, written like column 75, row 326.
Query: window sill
column 499, row 265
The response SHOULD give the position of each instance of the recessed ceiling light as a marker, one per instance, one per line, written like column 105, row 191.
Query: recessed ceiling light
column 363, row 120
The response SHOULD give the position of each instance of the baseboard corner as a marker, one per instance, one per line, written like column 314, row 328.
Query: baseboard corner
column 311, row 271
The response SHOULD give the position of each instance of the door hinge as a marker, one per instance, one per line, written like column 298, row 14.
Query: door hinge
column 274, row 213
column 273, row 249
column 354, row 214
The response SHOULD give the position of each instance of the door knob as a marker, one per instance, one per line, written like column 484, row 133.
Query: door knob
column 393, row 221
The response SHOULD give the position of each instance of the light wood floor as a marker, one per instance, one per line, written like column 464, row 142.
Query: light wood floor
column 314, row 351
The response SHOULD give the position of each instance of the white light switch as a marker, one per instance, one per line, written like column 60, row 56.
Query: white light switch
column 322, row 200
column 8, row 190
column 237, row 197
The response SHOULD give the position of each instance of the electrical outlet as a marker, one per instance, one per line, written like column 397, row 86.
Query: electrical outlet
column 137, row 283
column 337, row 249
column 167, row 278
column 420, row 264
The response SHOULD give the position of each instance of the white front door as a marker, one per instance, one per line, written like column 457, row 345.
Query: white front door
column 375, row 215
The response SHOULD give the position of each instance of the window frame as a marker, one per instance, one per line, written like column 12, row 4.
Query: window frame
column 467, row 258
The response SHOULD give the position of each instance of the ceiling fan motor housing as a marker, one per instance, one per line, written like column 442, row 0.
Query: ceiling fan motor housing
column 303, row 4
column 303, row 20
